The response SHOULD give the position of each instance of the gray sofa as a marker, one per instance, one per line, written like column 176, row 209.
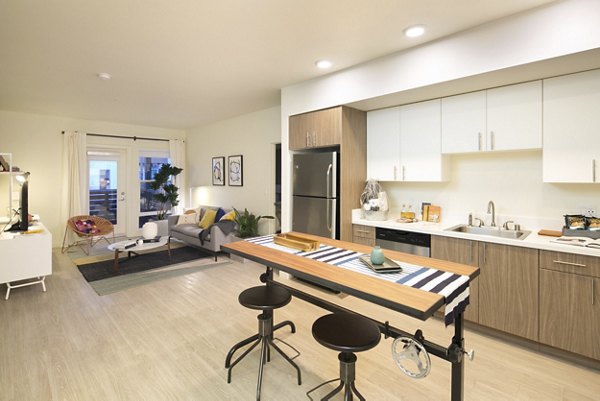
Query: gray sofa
column 210, row 240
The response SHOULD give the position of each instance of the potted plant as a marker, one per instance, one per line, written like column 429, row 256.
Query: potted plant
column 168, row 191
column 247, row 223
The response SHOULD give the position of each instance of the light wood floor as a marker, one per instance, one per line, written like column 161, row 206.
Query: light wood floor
column 167, row 341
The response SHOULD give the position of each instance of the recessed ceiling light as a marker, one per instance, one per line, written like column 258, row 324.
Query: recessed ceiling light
column 414, row 31
column 323, row 64
column 105, row 76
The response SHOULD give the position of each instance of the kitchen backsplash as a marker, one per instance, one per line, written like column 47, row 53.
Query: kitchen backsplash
column 513, row 180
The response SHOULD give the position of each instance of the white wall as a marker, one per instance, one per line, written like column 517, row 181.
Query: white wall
column 36, row 144
column 252, row 135
column 559, row 29
column 512, row 180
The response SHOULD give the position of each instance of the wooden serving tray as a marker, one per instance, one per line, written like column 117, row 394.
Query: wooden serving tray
column 296, row 242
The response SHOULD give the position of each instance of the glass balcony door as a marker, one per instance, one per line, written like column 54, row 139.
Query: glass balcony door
column 107, row 194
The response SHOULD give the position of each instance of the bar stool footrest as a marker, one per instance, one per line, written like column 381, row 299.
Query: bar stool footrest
column 319, row 386
column 290, row 347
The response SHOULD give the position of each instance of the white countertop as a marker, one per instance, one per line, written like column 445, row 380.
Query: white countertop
column 533, row 240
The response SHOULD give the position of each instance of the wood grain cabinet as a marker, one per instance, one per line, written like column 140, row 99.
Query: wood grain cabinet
column 345, row 128
column 508, row 289
column 570, row 312
column 364, row 235
column 316, row 129
column 460, row 251
column 569, row 302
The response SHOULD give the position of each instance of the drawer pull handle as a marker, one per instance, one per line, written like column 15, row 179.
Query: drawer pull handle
column 569, row 263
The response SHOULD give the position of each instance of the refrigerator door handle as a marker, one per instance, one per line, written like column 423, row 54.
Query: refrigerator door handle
column 329, row 222
column 329, row 180
column 332, row 228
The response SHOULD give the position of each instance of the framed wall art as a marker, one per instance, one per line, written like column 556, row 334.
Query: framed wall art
column 236, row 170
column 218, row 170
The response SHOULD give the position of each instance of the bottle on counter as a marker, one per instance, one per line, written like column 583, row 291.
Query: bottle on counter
column 410, row 214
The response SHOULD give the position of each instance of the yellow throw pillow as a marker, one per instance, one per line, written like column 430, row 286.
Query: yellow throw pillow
column 208, row 218
column 229, row 216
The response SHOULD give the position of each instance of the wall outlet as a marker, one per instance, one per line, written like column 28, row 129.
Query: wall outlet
column 589, row 211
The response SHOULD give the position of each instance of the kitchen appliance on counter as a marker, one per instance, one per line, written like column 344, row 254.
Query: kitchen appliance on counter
column 315, row 202
column 403, row 241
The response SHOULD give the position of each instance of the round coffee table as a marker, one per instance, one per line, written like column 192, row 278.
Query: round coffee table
column 132, row 248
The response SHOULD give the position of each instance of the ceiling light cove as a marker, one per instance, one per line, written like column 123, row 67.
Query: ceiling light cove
column 414, row 31
column 104, row 76
column 323, row 64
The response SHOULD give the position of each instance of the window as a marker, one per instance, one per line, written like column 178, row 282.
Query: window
column 149, row 163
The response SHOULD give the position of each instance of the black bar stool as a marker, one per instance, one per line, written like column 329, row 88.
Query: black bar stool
column 347, row 333
column 265, row 298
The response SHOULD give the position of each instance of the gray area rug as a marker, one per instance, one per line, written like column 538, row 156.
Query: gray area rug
column 120, row 283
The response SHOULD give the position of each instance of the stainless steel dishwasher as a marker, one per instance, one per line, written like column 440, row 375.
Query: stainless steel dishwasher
column 403, row 241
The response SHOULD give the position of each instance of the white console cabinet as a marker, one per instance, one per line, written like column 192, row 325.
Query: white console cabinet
column 25, row 257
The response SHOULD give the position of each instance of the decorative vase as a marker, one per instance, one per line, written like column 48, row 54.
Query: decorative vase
column 149, row 230
column 377, row 256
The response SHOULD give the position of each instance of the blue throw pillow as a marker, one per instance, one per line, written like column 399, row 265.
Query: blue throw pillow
column 220, row 213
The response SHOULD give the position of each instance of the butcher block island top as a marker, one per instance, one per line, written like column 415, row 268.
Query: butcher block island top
column 402, row 298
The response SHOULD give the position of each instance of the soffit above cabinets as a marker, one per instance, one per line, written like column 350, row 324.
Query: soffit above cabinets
column 578, row 62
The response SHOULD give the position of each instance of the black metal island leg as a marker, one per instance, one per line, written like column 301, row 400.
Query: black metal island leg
column 458, row 365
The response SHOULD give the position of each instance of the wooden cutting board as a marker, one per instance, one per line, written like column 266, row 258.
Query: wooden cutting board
column 550, row 233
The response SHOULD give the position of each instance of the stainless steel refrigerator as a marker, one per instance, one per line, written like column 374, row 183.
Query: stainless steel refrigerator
column 315, row 207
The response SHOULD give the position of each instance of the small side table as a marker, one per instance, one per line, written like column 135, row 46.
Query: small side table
column 119, row 247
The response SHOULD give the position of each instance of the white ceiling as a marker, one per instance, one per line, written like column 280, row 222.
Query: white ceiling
column 184, row 63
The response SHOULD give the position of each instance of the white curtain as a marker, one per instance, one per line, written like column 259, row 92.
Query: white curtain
column 177, row 156
column 74, row 175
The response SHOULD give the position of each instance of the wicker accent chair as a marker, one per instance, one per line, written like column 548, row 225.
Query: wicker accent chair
column 90, row 230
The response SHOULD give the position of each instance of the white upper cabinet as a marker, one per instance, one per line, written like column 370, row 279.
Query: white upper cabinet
column 514, row 117
column 463, row 123
column 404, row 143
column 505, row 118
column 572, row 128
column 420, row 142
column 383, row 144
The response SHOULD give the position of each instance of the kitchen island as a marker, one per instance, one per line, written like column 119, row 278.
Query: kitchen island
column 396, row 297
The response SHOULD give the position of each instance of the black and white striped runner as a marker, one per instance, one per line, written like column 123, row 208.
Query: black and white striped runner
column 454, row 287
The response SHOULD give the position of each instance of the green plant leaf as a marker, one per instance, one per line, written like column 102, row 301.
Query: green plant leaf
column 169, row 191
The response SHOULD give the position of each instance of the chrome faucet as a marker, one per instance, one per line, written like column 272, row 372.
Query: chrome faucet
column 492, row 210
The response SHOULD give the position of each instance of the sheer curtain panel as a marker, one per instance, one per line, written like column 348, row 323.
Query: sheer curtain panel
column 74, row 175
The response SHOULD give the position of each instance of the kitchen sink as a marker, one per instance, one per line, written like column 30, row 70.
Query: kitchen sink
column 491, row 231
